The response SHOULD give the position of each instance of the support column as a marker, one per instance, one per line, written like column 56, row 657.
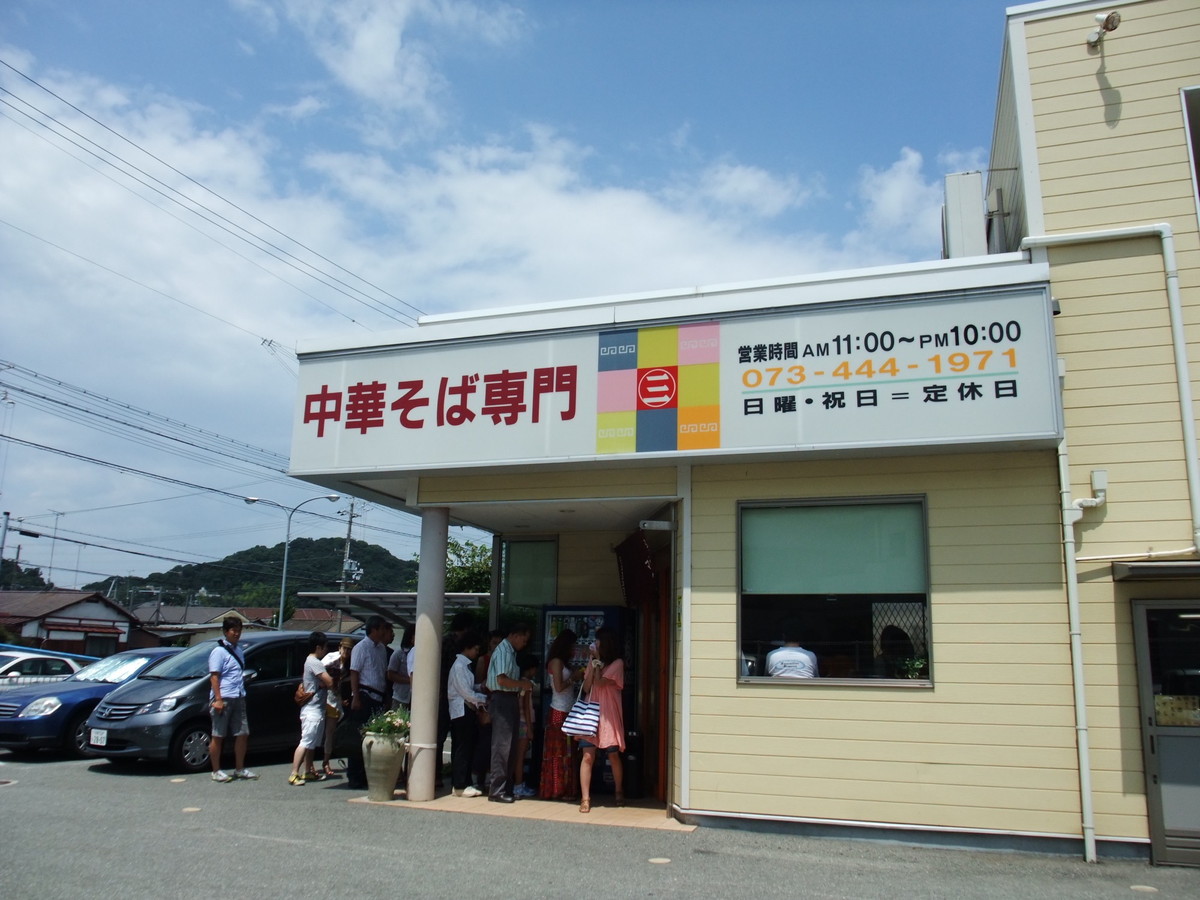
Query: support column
column 431, row 602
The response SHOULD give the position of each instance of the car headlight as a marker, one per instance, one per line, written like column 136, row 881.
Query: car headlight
column 42, row 706
column 165, row 705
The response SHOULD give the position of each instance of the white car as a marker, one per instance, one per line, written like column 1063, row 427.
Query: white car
column 32, row 667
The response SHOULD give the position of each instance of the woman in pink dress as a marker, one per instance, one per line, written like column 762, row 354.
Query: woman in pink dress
column 603, row 682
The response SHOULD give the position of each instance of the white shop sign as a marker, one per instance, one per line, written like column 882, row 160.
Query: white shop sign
column 964, row 369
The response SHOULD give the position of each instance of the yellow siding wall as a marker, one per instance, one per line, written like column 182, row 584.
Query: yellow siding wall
column 587, row 569
column 1112, row 149
column 990, row 746
column 534, row 483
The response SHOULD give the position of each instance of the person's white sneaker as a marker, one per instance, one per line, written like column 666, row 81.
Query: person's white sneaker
column 469, row 791
column 245, row 774
column 221, row 775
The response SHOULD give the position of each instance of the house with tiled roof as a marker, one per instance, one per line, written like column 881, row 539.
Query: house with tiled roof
column 327, row 620
column 84, row 622
column 166, row 624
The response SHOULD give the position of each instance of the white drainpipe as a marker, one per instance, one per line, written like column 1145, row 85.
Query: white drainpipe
column 1183, row 381
column 1072, row 511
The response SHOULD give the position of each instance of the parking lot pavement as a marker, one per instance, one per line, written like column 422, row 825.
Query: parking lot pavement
column 91, row 829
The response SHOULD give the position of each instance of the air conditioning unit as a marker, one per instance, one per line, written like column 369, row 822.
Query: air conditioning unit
column 964, row 216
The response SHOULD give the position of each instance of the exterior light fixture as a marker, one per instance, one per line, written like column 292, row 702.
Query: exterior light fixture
column 1107, row 22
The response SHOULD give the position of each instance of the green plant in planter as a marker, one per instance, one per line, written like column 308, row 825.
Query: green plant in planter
column 392, row 723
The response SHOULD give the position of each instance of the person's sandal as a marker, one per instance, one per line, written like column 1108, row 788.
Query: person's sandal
column 585, row 806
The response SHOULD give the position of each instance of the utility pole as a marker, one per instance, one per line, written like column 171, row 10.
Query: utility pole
column 346, row 552
column 54, row 543
column 3, row 540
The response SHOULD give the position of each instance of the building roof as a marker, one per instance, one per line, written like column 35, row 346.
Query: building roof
column 17, row 607
column 154, row 614
column 162, row 614
column 394, row 606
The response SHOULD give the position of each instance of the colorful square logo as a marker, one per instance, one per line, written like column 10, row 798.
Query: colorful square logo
column 658, row 389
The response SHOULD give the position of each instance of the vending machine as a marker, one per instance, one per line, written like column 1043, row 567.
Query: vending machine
column 585, row 621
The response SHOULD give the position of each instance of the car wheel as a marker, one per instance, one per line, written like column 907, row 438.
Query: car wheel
column 189, row 749
column 76, row 737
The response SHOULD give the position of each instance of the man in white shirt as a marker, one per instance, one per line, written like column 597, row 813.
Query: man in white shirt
column 368, row 683
column 791, row 660
column 464, row 701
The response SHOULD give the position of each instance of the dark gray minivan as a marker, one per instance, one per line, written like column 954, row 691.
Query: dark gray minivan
column 163, row 714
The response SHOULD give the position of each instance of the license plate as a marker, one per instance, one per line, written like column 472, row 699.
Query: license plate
column 99, row 737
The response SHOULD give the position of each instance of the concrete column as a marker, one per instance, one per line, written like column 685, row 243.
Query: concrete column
column 431, row 602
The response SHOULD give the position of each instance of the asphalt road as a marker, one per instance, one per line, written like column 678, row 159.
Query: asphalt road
column 76, row 829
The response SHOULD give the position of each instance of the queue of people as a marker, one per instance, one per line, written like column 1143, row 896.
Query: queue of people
column 488, row 691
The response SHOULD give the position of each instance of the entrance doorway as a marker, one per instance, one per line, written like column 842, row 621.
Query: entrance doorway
column 1167, row 642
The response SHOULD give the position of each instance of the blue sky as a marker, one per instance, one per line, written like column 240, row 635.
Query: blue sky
column 453, row 154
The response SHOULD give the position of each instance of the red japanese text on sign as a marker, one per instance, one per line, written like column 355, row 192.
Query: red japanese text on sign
column 507, row 396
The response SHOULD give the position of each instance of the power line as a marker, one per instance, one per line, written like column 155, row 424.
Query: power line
column 129, row 470
column 112, row 416
column 181, row 221
column 245, row 570
column 169, row 480
column 132, row 280
column 100, row 412
column 381, row 307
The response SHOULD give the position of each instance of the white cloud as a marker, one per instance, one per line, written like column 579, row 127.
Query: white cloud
column 466, row 226
column 372, row 47
column 900, row 212
column 749, row 189
column 304, row 108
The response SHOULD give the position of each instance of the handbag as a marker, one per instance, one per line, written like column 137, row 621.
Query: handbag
column 584, row 718
column 302, row 696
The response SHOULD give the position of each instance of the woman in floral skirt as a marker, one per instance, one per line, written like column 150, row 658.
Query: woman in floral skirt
column 559, row 775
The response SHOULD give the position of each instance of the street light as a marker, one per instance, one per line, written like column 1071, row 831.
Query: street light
column 287, row 541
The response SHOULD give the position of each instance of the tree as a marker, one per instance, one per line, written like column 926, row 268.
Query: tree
column 468, row 567
column 251, row 577
column 15, row 577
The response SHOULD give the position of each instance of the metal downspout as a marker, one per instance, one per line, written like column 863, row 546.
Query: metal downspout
column 1183, row 381
column 1071, row 513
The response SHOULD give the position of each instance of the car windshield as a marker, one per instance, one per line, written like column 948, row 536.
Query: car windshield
column 113, row 670
column 6, row 658
column 191, row 663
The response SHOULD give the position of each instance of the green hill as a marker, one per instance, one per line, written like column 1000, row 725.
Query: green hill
column 251, row 577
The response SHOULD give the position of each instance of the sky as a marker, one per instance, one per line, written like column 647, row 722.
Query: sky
column 189, row 189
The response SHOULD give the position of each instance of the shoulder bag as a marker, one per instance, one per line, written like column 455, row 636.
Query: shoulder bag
column 584, row 718
column 302, row 696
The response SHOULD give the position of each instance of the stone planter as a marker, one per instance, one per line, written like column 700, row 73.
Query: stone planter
column 383, row 757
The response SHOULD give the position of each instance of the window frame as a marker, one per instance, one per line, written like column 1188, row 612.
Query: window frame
column 919, row 500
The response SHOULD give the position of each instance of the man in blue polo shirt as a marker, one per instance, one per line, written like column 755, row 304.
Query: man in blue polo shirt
column 505, row 683
column 227, row 702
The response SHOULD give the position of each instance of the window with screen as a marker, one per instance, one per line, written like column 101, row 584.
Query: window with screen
column 834, row 590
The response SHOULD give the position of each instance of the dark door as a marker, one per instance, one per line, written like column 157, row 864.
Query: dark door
column 1167, row 640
